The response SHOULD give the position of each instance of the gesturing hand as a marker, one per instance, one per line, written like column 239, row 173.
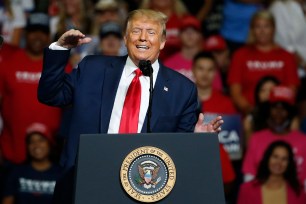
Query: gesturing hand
column 212, row 126
column 72, row 38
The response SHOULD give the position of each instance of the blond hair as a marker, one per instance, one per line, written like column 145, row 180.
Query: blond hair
column 262, row 14
column 83, row 18
column 148, row 14
column 179, row 7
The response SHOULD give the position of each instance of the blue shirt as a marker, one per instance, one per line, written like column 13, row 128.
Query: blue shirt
column 29, row 186
column 236, row 20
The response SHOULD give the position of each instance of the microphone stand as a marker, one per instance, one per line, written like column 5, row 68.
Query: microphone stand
column 147, row 70
column 150, row 100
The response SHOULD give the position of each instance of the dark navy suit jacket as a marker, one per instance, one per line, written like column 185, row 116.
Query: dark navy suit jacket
column 91, row 89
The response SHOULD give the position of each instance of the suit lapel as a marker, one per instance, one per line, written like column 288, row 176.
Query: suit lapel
column 109, row 90
column 159, row 97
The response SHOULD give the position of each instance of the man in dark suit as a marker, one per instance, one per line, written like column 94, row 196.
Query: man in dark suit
column 99, row 87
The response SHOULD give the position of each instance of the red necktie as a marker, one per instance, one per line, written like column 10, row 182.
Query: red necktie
column 131, row 107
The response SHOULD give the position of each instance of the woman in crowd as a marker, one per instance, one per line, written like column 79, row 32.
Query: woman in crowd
column 34, row 181
column 73, row 14
column 261, row 57
column 257, row 120
column 12, row 21
column 276, row 179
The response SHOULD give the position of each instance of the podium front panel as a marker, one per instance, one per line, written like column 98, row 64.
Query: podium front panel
column 196, row 158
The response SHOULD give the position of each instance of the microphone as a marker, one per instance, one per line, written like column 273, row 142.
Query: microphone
column 147, row 70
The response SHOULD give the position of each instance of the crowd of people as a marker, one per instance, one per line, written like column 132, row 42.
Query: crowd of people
column 246, row 57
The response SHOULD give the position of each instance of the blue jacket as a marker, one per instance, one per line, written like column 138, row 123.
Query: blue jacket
column 91, row 89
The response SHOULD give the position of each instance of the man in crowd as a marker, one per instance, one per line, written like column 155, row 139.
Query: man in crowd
column 19, row 76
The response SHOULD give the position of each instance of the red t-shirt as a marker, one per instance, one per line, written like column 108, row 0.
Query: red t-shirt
column 18, row 88
column 6, row 51
column 228, row 174
column 218, row 103
column 249, row 65
column 173, row 43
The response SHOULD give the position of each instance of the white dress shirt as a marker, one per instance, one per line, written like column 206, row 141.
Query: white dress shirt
column 124, row 83
column 126, row 78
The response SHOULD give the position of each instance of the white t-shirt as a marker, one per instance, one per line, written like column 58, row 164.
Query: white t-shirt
column 18, row 20
column 290, row 26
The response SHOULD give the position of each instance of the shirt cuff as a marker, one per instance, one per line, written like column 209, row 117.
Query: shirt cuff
column 54, row 46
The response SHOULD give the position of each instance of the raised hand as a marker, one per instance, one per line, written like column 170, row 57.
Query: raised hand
column 72, row 38
column 212, row 126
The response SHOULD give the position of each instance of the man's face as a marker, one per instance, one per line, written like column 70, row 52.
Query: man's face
column 144, row 40
column 38, row 147
column 263, row 31
column 278, row 114
column 204, row 71
column 109, row 15
column 110, row 45
column 191, row 37
column 222, row 58
column 72, row 7
column 37, row 41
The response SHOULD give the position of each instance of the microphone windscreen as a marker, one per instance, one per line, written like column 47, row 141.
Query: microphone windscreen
column 146, row 67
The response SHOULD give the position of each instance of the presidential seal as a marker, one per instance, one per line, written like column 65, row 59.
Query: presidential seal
column 148, row 174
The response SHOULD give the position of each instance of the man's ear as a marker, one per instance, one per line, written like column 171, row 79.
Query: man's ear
column 162, row 45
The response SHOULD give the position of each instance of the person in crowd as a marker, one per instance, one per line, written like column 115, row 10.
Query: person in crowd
column 34, row 181
column 73, row 14
column 106, row 11
column 281, row 113
column 218, row 47
column 209, row 13
column 18, row 90
column 261, row 57
column 12, row 21
column 291, row 36
column 176, row 11
column 276, row 178
column 111, row 40
column 192, row 42
column 257, row 120
column 237, row 16
column 204, row 70
column 107, row 22
column 114, row 91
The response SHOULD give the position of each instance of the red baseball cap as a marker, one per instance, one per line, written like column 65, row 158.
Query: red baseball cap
column 215, row 43
column 190, row 21
column 282, row 94
column 42, row 129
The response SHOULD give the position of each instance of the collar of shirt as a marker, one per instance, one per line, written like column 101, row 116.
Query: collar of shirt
column 130, row 67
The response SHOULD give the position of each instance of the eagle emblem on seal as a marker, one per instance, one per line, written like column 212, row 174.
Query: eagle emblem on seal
column 148, row 174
